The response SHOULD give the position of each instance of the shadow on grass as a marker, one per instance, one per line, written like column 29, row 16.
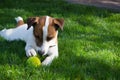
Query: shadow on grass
column 12, row 53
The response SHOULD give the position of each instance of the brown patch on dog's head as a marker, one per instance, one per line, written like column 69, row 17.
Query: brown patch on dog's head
column 51, row 29
column 38, row 30
column 39, row 22
column 54, row 25
column 59, row 23
column 32, row 21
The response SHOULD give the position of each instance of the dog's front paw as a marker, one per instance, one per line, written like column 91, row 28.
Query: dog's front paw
column 47, row 61
column 31, row 52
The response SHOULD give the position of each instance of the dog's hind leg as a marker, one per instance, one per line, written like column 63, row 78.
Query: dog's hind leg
column 15, row 33
column 18, row 33
column 9, row 34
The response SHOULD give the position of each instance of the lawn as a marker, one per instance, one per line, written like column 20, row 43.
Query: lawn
column 89, row 45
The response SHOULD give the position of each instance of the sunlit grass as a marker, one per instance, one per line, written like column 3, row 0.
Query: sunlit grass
column 89, row 45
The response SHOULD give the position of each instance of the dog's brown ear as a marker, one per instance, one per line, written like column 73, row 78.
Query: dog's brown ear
column 59, row 23
column 32, row 22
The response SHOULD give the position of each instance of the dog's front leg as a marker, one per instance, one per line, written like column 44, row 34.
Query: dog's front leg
column 30, row 51
column 48, row 60
column 53, row 53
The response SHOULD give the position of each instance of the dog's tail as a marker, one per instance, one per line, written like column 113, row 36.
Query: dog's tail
column 19, row 21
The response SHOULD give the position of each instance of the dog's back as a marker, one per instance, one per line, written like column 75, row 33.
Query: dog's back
column 18, row 33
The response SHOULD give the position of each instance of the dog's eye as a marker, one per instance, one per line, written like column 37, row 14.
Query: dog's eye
column 49, row 38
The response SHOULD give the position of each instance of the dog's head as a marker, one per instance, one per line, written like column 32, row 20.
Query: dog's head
column 45, row 31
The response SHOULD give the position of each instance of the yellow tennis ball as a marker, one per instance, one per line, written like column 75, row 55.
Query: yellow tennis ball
column 33, row 61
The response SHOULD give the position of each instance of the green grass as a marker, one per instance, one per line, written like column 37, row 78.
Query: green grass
column 89, row 45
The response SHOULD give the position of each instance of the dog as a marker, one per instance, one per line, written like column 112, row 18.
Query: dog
column 40, row 35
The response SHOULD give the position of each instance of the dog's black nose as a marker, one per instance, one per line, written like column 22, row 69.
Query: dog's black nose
column 41, row 52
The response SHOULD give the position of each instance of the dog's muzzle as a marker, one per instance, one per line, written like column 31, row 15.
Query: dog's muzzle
column 41, row 52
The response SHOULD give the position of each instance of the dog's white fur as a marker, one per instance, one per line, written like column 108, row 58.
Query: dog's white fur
column 21, row 33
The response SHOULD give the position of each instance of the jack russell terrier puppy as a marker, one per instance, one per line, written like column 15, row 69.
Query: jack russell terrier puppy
column 40, row 35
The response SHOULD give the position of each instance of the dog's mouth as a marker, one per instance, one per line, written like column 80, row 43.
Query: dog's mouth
column 43, row 53
column 52, row 46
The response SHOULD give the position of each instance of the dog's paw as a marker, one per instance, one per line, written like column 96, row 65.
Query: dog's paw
column 47, row 61
column 31, row 52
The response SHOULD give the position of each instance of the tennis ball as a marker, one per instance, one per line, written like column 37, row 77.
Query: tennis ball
column 33, row 61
